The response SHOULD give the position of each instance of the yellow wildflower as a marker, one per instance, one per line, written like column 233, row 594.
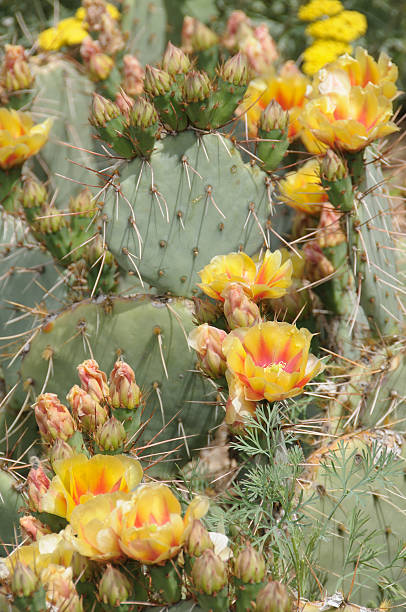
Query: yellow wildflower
column 50, row 39
column 70, row 31
column 19, row 137
column 323, row 52
column 345, row 27
column 319, row 8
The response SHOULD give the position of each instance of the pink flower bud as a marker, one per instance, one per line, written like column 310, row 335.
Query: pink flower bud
column 93, row 380
column 239, row 310
column 124, row 103
column 37, row 485
column 207, row 342
column 133, row 76
column 33, row 528
column 124, row 391
column 100, row 65
column 317, row 265
column 331, row 233
column 86, row 410
column 53, row 418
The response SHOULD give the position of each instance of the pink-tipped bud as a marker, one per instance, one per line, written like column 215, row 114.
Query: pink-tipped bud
column 24, row 581
column 33, row 528
column 157, row 82
column 124, row 391
column 111, row 436
column 197, row 86
column 198, row 540
column 102, row 111
column 133, row 83
column 114, row 587
column 124, row 102
column 175, row 61
column 237, row 24
column 239, row 310
column 15, row 72
column 196, row 36
column 209, row 573
column 86, row 410
column 61, row 591
column 273, row 117
column 83, row 204
column 53, row 418
column 100, row 65
column 249, row 566
column 317, row 265
column 60, row 450
column 37, row 485
column 110, row 37
column 207, row 342
column 235, row 70
column 93, row 380
column 333, row 167
column 33, row 193
column 274, row 597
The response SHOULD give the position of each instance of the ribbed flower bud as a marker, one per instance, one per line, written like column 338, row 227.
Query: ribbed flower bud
column 53, row 418
column 33, row 528
column 239, row 310
column 61, row 591
column 175, row 61
column 273, row 117
column 114, row 587
column 333, row 167
column 157, row 82
column 133, row 83
column 124, row 102
column 60, row 450
column 197, row 86
column 100, row 65
column 83, row 204
column 37, row 485
column 94, row 250
column 24, row 581
column 196, row 36
column 209, row 573
column 235, row 70
column 207, row 341
column 198, row 540
column 33, row 193
column 111, row 436
column 15, row 73
column 249, row 566
column 86, row 410
column 124, row 391
column 93, row 380
column 50, row 220
column 102, row 111
column 142, row 114
column 205, row 311
column 274, row 597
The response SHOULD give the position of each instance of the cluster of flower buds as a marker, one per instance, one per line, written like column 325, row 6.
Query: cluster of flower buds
column 15, row 73
column 102, row 18
column 196, row 36
column 133, row 83
column 98, row 63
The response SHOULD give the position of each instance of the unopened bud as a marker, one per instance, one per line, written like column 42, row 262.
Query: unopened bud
column 61, row 591
column 157, row 82
column 111, row 436
column 235, row 70
column 205, row 311
column 274, row 597
column 33, row 193
column 100, row 65
column 24, row 581
column 175, row 61
column 197, row 86
column 124, row 391
column 207, row 342
column 239, row 310
column 333, row 167
column 37, row 485
column 274, row 118
column 60, row 450
column 15, row 73
column 110, row 37
column 50, row 220
column 124, row 102
column 93, row 380
column 142, row 114
column 249, row 566
column 86, row 410
column 83, row 204
column 114, row 587
column 133, row 83
column 53, row 418
column 33, row 528
column 96, row 249
column 238, row 408
column 198, row 540
column 209, row 573
column 103, row 110
column 196, row 36
column 81, row 567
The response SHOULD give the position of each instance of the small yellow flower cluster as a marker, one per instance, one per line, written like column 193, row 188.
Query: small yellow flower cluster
column 322, row 52
column 345, row 27
column 315, row 9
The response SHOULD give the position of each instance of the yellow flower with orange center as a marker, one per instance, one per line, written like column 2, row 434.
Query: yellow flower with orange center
column 302, row 189
column 19, row 137
column 271, row 360
column 349, row 122
column 288, row 89
column 268, row 278
column 78, row 479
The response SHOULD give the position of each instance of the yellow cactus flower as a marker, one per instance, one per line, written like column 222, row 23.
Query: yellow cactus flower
column 150, row 525
column 78, row 479
column 322, row 52
column 349, row 122
column 302, row 189
column 268, row 278
column 19, row 137
column 271, row 360
column 319, row 8
column 288, row 89
column 344, row 27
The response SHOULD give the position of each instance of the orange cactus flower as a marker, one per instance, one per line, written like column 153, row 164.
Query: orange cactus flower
column 302, row 189
column 150, row 525
column 288, row 89
column 268, row 278
column 349, row 122
column 19, row 137
column 271, row 360
column 78, row 479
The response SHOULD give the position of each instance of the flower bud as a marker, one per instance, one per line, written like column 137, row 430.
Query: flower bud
column 50, row 220
column 83, row 204
column 37, row 485
column 114, row 587
column 33, row 528
column 33, row 193
column 133, row 83
column 238, row 409
column 15, row 73
column 249, row 566
column 273, row 117
column 111, row 436
column 103, row 110
column 274, row 597
column 333, row 167
column 235, row 70
column 239, row 310
column 60, row 450
column 142, row 114
column 110, row 37
column 86, row 410
column 198, row 539
column 24, row 581
column 207, row 342
column 205, row 311
column 175, row 61
column 209, row 573
column 81, row 567
column 93, row 380
column 331, row 234
column 157, row 82
column 124, row 102
column 317, row 265
column 53, row 418
column 95, row 249
column 196, row 36
column 100, row 65
column 124, row 391
column 60, row 590
column 196, row 87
